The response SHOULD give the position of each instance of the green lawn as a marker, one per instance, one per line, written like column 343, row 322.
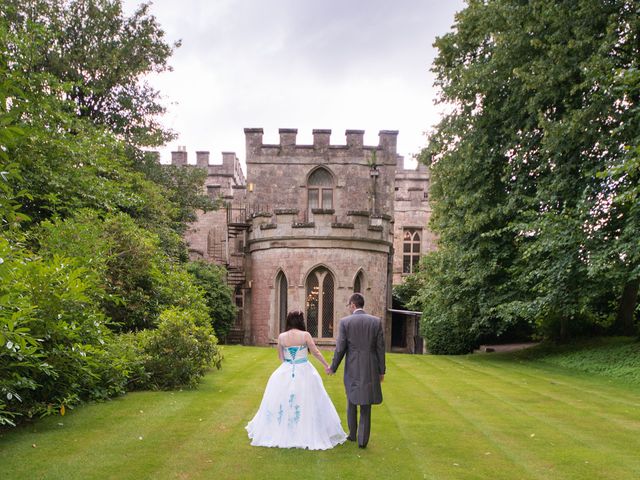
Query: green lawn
column 472, row 417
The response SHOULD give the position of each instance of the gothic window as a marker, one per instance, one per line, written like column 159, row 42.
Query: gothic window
column 358, row 283
column 320, row 190
column 411, row 249
column 281, row 297
column 320, row 303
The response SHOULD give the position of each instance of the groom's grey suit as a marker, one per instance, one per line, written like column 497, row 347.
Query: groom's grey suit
column 361, row 339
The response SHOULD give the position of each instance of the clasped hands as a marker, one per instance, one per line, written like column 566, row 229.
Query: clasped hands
column 328, row 370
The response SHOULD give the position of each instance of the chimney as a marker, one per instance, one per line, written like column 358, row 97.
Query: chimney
column 179, row 157
column 355, row 138
column 202, row 159
column 321, row 138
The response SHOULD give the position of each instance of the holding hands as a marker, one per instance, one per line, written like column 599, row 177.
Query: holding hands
column 328, row 370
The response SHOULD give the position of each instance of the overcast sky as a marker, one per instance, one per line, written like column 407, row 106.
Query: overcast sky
column 305, row 64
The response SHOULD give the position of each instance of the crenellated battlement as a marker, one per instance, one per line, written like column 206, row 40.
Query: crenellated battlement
column 230, row 166
column 321, row 142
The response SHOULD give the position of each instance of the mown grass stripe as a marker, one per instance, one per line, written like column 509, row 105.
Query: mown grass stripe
column 434, row 429
column 440, row 418
column 562, row 393
column 581, row 382
column 557, row 431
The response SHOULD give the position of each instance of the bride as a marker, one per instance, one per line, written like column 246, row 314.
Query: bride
column 296, row 411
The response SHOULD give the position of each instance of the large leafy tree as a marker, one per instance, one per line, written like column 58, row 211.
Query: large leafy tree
column 525, row 190
column 105, row 57
column 89, row 231
column 83, row 110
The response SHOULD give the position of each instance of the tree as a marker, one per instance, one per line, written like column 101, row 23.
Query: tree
column 104, row 56
column 87, row 237
column 516, row 163
column 218, row 295
column 65, row 160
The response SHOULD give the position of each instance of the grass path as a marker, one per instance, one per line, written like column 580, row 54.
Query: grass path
column 472, row 417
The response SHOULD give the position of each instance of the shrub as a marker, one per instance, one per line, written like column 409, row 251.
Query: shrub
column 52, row 334
column 445, row 337
column 180, row 350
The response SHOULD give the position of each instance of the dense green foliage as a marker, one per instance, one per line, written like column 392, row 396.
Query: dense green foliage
column 534, row 173
column 95, row 295
column 218, row 295
column 102, row 56
column 180, row 350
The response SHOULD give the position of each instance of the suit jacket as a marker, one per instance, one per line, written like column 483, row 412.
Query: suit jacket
column 361, row 339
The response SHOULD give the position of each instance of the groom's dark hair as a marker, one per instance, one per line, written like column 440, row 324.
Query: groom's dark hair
column 357, row 299
column 295, row 319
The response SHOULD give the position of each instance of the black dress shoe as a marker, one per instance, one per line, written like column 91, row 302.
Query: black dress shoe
column 362, row 446
column 351, row 439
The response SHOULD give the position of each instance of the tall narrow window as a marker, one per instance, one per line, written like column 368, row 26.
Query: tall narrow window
column 282, row 304
column 357, row 283
column 320, row 190
column 411, row 249
column 327, row 306
column 320, row 303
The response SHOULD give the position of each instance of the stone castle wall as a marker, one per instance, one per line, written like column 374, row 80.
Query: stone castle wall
column 265, row 225
column 279, row 173
column 296, row 263
column 412, row 210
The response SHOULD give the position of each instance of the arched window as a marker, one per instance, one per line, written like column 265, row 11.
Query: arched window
column 411, row 249
column 320, row 190
column 319, row 303
column 281, row 300
column 358, row 283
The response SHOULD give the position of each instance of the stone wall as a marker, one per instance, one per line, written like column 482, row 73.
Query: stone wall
column 412, row 210
column 279, row 173
column 265, row 226
column 296, row 263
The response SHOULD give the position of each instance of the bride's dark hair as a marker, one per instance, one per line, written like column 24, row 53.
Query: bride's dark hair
column 295, row 319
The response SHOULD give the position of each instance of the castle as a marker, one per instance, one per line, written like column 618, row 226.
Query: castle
column 310, row 225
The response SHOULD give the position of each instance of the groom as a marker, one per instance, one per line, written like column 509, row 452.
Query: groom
column 361, row 338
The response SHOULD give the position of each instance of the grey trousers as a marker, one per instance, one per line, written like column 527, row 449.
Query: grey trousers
column 364, row 429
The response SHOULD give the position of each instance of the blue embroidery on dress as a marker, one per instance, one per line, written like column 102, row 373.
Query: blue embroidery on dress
column 280, row 414
column 291, row 399
column 294, row 417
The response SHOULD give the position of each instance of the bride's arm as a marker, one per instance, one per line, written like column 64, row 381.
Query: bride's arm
column 311, row 345
column 280, row 349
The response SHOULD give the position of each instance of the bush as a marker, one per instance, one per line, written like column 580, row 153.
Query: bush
column 52, row 334
column 180, row 350
column 444, row 337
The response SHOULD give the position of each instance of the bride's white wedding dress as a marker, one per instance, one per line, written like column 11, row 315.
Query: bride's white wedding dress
column 296, row 411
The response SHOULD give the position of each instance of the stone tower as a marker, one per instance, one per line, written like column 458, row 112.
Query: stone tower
column 310, row 225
